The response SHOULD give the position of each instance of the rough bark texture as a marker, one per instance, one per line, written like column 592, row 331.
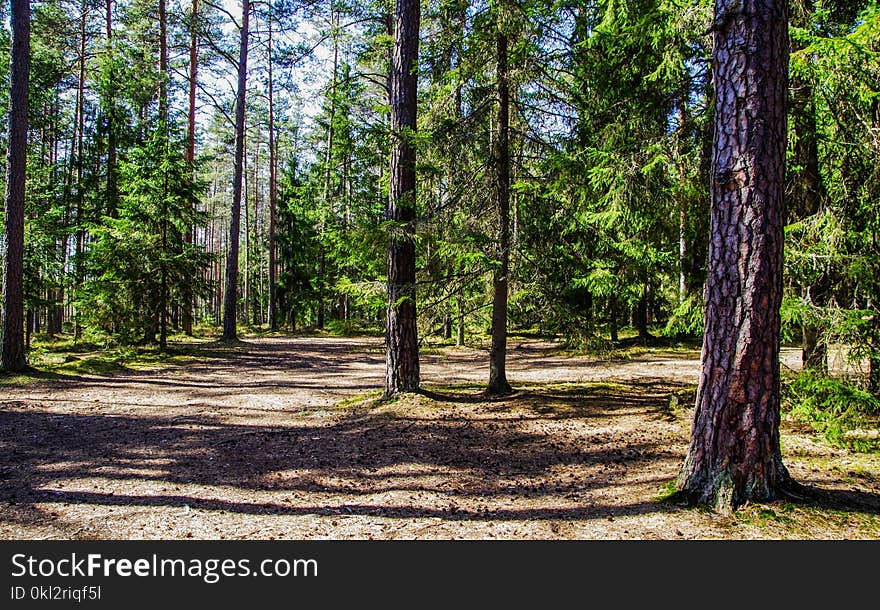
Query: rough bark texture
column 230, row 299
column 12, row 354
column 734, row 453
column 402, row 349
column 498, row 383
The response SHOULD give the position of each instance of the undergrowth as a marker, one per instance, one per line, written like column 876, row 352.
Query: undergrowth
column 844, row 414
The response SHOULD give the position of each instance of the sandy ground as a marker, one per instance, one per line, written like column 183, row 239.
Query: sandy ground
column 253, row 443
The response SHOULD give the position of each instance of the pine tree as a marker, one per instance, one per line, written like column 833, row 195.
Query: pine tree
column 402, row 354
column 12, row 347
column 230, row 302
column 734, row 454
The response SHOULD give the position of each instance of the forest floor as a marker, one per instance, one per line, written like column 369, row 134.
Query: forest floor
column 284, row 438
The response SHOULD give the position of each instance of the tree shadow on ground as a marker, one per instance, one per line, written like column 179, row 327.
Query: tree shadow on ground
column 507, row 458
column 545, row 452
column 840, row 500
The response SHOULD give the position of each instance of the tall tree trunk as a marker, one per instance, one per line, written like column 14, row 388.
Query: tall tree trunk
column 459, row 327
column 498, row 354
column 734, row 454
column 322, row 270
column 328, row 156
column 612, row 319
column 12, row 354
column 163, row 66
column 80, row 190
column 79, row 238
column 273, row 175
column 188, row 304
column 255, row 237
column 163, row 283
column 246, row 301
column 55, row 310
column 28, row 327
column 808, row 200
column 402, row 354
column 874, row 343
column 682, row 200
column 641, row 313
column 163, row 126
column 112, row 155
column 230, row 300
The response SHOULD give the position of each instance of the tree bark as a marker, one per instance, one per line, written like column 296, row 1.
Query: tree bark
column 612, row 319
column 498, row 383
column 112, row 154
column 163, row 66
column 273, row 171
column 12, row 354
column 808, row 199
column 682, row 201
column 80, row 189
column 402, row 349
column 248, row 185
column 734, row 454
column 459, row 326
column 163, row 126
column 641, row 314
column 188, row 304
column 328, row 156
column 230, row 299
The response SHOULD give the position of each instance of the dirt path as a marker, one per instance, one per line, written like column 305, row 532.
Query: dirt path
column 254, row 443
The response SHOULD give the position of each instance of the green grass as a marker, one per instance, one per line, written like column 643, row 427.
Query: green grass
column 354, row 328
column 60, row 356
column 667, row 492
column 794, row 520
column 359, row 399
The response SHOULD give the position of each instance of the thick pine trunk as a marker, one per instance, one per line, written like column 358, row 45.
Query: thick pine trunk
column 734, row 454
column 402, row 349
column 498, row 383
column 230, row 299
column 12, row 354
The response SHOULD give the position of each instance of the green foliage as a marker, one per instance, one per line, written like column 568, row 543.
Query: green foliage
column 832, row 259
column 354, row 328
column 140, row 262
column 834, row 407
column 686, row 319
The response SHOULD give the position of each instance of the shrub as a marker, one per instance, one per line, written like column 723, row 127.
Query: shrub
column 834, row 407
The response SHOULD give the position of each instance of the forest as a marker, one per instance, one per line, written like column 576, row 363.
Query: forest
column 386, row 224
